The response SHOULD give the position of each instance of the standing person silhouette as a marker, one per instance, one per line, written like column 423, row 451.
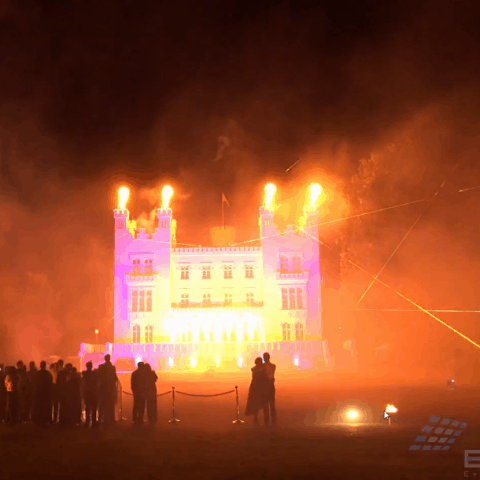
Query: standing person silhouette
column 151, row 394
column 138, row 386
column 90, row 395
column 258, row 392
column 108, row 390
column 270, row 410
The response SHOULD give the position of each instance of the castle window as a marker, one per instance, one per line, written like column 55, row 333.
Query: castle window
column 285, row 298
column 136, row 267
column 141, row 301
column 149, row 301
column 250, row 298
column 206, row 271
column 134, row 301
column 297, row 264
column 148, row 267
column 121, row 225
column 286, row 332
column 267, row 222
column 164, row 224
column 227, row 271
column 228, row 299
column 291, row 298
column 207, row 299
column 300, row 298
column 184, row 272
column 248, row 271
column 148, row 334
column 136, row 334
column 184, row 300
column 283, row 264
column 299, row 332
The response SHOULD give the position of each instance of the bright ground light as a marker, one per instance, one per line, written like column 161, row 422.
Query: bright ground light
column 352, row 414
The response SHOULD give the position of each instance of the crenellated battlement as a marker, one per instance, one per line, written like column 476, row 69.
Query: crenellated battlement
column 164, row 211
column 217, row 249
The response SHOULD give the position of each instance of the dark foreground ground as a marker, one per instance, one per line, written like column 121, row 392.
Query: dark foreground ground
column 205, row 444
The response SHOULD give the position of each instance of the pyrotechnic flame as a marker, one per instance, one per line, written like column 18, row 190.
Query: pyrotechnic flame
column 123, row 194
column 391, row 409
column 167, row 193
column 270, row 190
column 352, row 414
column 315, row 191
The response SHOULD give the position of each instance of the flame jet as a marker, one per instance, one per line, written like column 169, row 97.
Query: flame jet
column 167, row 193
column 270, row 190
column 315, row 192
column 123, row 194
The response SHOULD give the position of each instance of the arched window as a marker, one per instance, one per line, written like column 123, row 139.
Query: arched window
column 136, row 334
column 149, row 301
column 207, row 299
column 283, row 264
column 300, row 305
column 250, row 298
column 134, row 301
column 149, row 334
column 297, row 264
column 148, row 267
column 136, row 267
column 286, row 332
column 299, row 332
column 141, row 301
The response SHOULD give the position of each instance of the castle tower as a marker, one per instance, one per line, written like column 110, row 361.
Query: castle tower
column 122, row 237
column 164, row 241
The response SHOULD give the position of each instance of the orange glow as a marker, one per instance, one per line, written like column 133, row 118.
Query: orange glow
column 352, row 414
column 315, row 192
column 167, row 193
column 270, row 190
column 391, row 409
column 123, row 194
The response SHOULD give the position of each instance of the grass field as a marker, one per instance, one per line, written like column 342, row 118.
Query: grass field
column 205, row 443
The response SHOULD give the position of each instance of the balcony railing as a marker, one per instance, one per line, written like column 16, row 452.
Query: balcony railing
column 292, row 275
column 217, row 305
column 141, row 277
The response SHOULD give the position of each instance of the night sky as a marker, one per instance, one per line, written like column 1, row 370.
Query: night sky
column 210, row 97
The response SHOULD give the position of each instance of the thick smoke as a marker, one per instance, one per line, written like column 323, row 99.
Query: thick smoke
column 379, row 114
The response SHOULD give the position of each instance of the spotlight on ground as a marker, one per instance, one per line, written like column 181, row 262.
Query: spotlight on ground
column 352, row 414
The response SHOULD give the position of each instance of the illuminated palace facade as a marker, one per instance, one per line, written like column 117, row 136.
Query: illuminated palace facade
column 184, row 308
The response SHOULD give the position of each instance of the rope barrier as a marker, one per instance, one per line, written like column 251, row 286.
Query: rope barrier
column 162, row 394
column 159, row 395
column 174, row 419
column 213, row 395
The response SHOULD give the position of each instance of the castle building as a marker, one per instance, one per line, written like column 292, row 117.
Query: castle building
column 182, row 307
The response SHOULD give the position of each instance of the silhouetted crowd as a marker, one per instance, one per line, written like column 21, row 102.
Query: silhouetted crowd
column 57, row 394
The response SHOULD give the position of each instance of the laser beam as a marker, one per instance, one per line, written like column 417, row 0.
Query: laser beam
column 403, row 239
column 445, row 324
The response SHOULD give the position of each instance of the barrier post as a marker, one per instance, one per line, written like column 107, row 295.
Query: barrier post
column 238, row 421
column 173, row 419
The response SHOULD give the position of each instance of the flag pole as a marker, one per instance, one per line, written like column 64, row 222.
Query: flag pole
column 223, row 214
